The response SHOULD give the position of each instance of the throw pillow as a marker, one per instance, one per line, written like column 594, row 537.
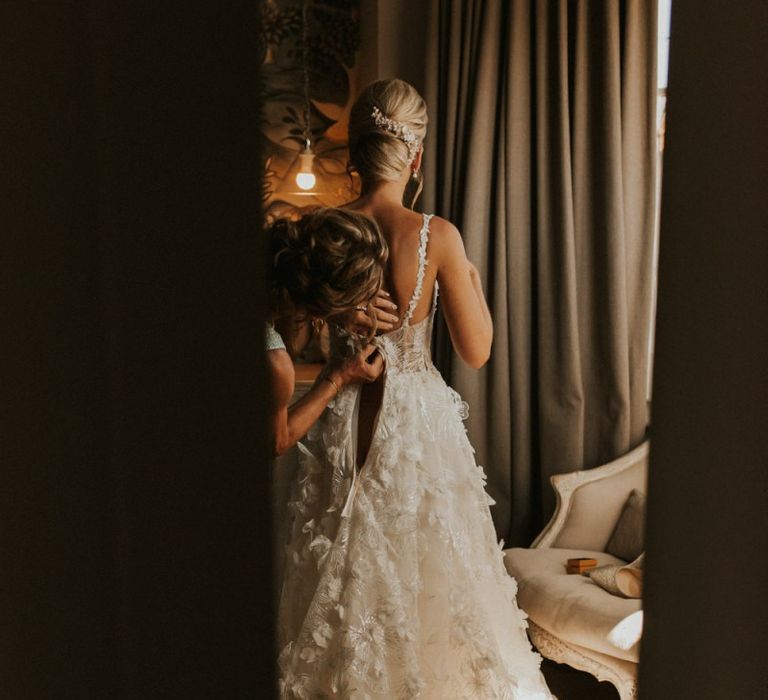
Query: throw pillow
column 626, row 542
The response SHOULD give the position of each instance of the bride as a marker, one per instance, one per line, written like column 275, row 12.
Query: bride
column 395, row 586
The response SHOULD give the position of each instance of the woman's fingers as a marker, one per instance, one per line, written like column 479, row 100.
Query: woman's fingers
column 384, row 300
column 376, row 367
column 368, row 350
column 384, row 321
column 359, row 321
column 384, row 318
column 383, row 307
column 366, row 366
column 362, row 321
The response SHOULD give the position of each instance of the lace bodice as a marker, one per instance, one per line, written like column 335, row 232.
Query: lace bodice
column 408, row 349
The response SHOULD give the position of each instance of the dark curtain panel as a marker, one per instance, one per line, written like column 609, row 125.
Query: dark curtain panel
column 710, row 396
column 134, row 477
column 542, row 151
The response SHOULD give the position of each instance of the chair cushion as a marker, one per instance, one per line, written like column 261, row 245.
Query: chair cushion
column 570, row 606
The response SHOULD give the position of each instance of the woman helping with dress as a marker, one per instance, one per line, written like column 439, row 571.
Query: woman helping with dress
column 395, row 586
column 327, row 266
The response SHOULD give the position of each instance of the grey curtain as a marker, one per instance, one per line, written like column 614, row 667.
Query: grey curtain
column 542, row 151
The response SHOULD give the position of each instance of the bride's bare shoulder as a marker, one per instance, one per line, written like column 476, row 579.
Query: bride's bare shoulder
column 442, row 227
column 445, row 239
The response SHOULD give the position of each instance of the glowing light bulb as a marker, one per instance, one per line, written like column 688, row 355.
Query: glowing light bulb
column 305, row 178
column 306, row 181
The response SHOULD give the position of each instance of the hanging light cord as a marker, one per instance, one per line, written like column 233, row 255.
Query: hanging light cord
column 305, row 69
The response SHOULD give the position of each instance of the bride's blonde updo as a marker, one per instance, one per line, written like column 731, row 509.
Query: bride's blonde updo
column 375, row 152
column 325, row 264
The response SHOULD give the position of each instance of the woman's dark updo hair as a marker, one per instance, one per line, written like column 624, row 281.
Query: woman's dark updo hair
column 325, row 264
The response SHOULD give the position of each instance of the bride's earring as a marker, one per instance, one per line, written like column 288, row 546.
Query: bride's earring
column 417, row 177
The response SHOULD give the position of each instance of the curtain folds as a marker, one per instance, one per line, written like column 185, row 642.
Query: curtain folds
column 542, row 151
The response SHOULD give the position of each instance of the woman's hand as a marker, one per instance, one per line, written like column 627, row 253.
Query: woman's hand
column 360, row 322
column 290, row 423
column 366, row 366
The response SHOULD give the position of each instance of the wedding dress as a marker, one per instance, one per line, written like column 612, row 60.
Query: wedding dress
column 394, row 585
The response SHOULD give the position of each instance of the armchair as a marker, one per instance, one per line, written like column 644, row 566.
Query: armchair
column 571, row 619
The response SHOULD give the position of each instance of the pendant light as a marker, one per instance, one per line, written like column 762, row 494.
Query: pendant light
column 305, row 177
column 300, row 179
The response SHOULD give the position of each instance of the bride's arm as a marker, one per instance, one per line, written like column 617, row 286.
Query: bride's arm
column 464, row 307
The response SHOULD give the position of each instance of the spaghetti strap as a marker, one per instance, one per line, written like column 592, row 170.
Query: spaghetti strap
column 423, row 240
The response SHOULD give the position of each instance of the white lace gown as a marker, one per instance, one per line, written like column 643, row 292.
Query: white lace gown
column 394, row 585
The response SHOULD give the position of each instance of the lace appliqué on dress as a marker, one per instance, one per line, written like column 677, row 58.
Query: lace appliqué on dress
column 419, row 288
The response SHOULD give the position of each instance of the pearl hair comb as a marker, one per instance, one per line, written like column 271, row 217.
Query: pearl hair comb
column 400, row 130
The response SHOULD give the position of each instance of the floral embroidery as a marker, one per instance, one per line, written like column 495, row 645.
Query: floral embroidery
column 423, row 240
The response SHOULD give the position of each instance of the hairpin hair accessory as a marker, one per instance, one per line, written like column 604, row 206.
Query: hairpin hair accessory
column 400, row 130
